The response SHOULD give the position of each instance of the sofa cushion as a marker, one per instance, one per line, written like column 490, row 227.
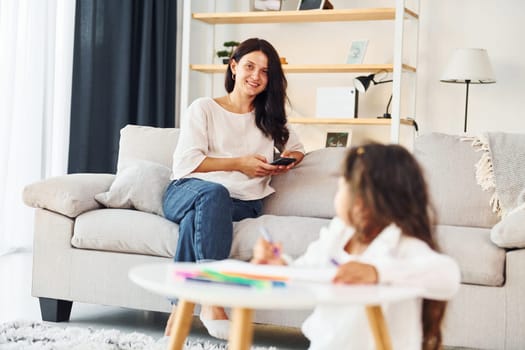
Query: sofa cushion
column 140, row 184
column 449, row 165
column 132, row 231
column 148, row 143
column 125, row 230
column 308, row 189
column 295, row 233
column 480, row 261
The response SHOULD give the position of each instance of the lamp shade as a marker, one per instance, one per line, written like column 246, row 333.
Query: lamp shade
column 470, row 65
column 362, row 83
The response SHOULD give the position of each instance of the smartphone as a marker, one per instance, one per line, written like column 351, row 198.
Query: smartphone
column 283, row 161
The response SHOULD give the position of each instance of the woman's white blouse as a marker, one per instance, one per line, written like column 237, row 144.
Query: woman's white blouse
column 212, row 131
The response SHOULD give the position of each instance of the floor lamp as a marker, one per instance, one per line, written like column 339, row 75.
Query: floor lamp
column 468, row 66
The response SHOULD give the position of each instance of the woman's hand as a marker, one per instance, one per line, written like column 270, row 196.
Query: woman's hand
column 266, row 253
column 255, row 165
column 354, row 272
column 293, row 154
column 281, row 169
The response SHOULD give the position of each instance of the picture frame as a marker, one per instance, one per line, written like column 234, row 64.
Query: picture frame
column 357, row 52
column 267, row 5
column 313, row 136
column 310, row 4
column 337, row 139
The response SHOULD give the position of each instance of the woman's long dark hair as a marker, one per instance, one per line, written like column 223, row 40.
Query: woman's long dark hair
column 390, row 182
column 270, row 114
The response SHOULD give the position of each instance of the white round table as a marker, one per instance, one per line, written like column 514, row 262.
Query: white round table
column 159, row 278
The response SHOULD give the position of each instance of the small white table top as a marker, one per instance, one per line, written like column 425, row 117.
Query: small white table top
column 159, row 278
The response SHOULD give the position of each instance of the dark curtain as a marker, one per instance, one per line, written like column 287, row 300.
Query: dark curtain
column 123, row 73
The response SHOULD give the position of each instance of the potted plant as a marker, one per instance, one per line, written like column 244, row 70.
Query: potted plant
column 227, row 52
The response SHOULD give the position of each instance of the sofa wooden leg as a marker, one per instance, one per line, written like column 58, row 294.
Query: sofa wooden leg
column 55, row 310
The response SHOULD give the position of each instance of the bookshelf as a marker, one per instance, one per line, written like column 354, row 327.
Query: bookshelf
column 398, row 14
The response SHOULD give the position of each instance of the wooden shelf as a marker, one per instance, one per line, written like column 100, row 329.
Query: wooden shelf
column 312, row 68
column 349, row 121
column 364, row 14
column 287, row 19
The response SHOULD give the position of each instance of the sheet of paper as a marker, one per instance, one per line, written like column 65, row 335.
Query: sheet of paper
column 322, row 275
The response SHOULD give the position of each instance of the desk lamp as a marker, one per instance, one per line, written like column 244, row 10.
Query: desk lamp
column 362, row 84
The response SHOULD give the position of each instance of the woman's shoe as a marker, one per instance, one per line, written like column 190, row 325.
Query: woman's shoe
column 217, row 328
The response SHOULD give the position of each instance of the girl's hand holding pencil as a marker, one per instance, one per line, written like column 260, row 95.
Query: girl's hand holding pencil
column 266, row 251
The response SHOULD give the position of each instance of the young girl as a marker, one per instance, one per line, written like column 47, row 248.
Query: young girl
column 382, row 234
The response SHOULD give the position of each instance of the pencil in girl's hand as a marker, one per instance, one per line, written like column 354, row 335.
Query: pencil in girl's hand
column 334, row 262
column 265, row 234
column 269, row 239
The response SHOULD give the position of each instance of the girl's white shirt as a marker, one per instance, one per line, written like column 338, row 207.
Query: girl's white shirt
column 212, row 131
column 399, row 260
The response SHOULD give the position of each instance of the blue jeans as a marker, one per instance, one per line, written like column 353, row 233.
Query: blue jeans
column 205, row 213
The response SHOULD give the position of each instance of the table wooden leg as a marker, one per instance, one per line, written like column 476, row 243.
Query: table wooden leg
column 241, row 333
column 182, row 324
column 378, row 326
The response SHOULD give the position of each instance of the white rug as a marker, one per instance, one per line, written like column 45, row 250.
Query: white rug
column 36, row 335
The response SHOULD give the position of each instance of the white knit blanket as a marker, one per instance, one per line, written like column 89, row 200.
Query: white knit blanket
column 501, row 168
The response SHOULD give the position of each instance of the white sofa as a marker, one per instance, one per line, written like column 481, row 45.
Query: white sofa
column 83, row 251
column 489, row 310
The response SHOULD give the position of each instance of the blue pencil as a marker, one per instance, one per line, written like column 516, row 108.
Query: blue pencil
column 258, row 284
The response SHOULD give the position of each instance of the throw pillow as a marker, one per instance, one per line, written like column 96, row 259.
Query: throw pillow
column 139, row 184
column 510, row 231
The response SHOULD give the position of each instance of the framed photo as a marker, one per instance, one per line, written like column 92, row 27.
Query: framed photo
column 267, row 5
column 310, row 4
column 314, row 136
column 337, row 139
column 357, row 52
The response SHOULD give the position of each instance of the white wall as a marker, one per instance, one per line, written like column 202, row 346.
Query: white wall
column 497, row 26
column 444, row 25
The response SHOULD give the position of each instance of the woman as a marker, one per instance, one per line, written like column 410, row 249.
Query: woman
column 221, row 166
